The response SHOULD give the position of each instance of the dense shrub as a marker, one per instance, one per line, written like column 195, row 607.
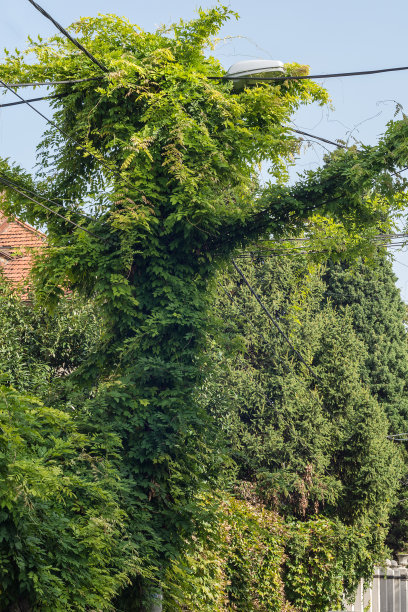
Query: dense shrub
column 63, row 542
column 235, row 565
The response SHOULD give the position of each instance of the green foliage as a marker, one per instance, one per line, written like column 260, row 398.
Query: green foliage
column 39, row 348
column 314, row 447
column 324, row 561
column 253, row 560
column 235, row 565
column 315, row 564
column 373, row 302
column 370, row 296
column 171, row 161
column 254, row 557
column 185, row 155
column 63, row 541
column 196, row 579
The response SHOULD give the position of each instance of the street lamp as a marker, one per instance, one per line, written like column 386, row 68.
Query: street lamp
column 257, row 68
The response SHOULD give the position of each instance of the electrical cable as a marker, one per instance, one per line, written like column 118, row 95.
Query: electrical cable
column 404, row 433
column 8, row 184
column 68, row 35
column 43, row 197
column 231, row 299
column 402, row 264
column 307, row 238
column 267, row 342
column 268, row 314
column 61, row 205
column 385, row 240
column 308, row 76
column 46, row 83
column 261, row 255
column 336, row 144
column 103, row 162
column 34, row 100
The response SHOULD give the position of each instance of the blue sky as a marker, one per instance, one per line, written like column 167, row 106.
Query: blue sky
column 329, row 36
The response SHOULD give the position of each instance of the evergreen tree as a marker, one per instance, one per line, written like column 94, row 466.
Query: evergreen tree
column 314, row 445
column 370, row 295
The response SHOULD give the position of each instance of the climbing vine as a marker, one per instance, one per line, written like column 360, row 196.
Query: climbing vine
column 170, row 161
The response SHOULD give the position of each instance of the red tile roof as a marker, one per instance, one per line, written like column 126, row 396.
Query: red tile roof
column 17, row 242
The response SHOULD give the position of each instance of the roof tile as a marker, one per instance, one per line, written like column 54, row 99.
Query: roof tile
column 17, row 239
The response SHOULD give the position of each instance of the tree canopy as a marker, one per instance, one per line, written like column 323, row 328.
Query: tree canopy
column 315, row 446
column 170, row 161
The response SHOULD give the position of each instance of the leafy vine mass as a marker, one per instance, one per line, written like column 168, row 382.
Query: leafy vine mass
column 171, row 161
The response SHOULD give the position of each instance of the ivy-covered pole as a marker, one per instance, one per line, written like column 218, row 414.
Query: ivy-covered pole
column 172, row 160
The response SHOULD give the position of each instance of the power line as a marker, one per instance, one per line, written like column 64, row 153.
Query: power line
column 378, row 239
column 46, row 83
column 268, row 314
column 336, row 144
column 307, row 238
column 103, row 162
column 267, row 342
column 9, row 184
column 68, row 35
column 401, row 263
column 43, row 197
column 399, row 437
column 308, row 76
column 299, row 253
column 65, row 134
column 34, row 100
column 404, row 433
column 231, row 299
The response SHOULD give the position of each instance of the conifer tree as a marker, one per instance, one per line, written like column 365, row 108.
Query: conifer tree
column 370, row 295
column 313, row 445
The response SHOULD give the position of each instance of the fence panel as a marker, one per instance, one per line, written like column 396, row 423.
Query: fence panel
column 387, row 593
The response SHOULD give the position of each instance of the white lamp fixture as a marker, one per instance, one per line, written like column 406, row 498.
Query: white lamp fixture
column 252, row 69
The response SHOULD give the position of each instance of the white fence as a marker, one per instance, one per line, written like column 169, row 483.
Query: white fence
column 388, row 592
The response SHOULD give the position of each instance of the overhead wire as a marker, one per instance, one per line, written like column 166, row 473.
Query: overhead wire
column 43, row 197
column 306, row 76
column 307, row 238
column 270, row 317
column 384, row 240
column 68, row 35
column 266, row 342
column 5, row 181
column 53, row 97
column 402, row 264
column 101, row 161
column 50, row 122
column 399, row 437
column 231, row 299
column 51, row 83
column 332, row 142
